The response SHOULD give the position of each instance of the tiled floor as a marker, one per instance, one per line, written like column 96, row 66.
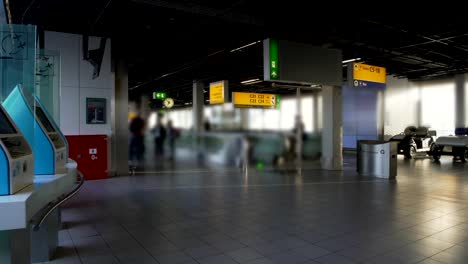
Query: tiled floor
column 225, row 216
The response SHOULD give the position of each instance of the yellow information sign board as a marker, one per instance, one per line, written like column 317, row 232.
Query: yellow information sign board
column 255, row 100
column 217, row 92
column 364, row 72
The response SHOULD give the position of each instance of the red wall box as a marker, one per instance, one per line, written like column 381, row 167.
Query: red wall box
column 91, row 154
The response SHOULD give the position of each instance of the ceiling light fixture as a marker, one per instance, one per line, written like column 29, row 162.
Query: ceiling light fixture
column 351, row 60
column 250, row 81
column 245, row 46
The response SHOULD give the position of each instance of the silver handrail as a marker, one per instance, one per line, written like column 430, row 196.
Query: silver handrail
column 63, row 200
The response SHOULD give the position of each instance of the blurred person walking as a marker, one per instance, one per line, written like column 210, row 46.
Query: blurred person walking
column 173, row 135
column 159, row 133
column 137, row 139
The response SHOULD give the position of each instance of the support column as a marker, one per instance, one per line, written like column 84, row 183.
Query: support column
column 316, row 115
column 419, row 108
column 119, row 146
column 299, row 127
column 244, row 118
column 460, row 104
column 332, row 132
column 198, row 104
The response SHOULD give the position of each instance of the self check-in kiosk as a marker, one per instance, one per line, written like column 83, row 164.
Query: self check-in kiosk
column 48, row 143
column 16, row 157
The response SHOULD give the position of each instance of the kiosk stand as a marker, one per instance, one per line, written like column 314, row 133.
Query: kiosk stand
column 29, row 206
column 16, row 159
column 48, row 143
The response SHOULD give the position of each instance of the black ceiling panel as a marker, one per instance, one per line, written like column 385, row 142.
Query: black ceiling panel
column 192, row 39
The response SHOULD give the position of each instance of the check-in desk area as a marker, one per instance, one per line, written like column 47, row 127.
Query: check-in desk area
column 36, row 177
column 25, row 235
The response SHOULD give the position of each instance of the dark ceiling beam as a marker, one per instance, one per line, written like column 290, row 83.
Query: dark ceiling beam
column 205, row 11
column 428, row 39
column 431, row 41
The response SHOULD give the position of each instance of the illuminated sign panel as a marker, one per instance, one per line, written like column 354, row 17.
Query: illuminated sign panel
column 218, row 92
column 253, row 100
column 364, row 75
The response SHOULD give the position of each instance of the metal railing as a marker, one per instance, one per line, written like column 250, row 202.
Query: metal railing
column 54, row 205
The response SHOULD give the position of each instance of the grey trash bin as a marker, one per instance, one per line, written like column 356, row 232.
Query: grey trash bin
column 377, row 158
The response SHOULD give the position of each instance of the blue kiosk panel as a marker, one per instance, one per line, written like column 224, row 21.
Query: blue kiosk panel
column 47, row 143
column 16, row 159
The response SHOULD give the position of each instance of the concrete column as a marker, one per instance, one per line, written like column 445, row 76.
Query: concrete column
column 460, row 103
column 198, row 104
column 244, row 118
column 119, row 143
column 381, row 115
column 316, row 111
column 419, row 108
column 298, row 127
column 332, row 132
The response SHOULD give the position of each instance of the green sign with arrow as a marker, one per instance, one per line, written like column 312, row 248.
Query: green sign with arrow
column 274, row 66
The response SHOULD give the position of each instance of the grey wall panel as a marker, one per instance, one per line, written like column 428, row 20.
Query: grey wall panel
column 305, row 63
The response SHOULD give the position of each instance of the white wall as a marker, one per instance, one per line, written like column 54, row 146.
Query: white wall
column 422, row 103
column 401, row 105
column 77, row 83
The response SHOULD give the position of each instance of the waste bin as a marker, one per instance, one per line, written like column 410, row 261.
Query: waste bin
column 377, row 158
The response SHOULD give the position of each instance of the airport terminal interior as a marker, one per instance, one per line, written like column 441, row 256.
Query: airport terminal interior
column 237, row 132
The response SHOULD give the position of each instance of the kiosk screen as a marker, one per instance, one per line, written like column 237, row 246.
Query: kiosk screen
column 6, row 127
column 44, row 120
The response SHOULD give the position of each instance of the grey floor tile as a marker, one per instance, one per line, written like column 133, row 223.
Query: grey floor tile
column 260, row 261
column 446, row 257
column 172, row 258
column 227, row 245
column 99, row 259
column 429, row 261
column 215, row 237
column 311, row 251
column 370, row 218
column 406, row 256
column 135, row 256
column 333, row 244
column 217, row 260
column 243, row 255
column 357, row 254
column 162, row 248
column 64, row 236
column 64, row 260
column 287, row 257
column 435, row 243
column 202, row 252
column 333, row 259
column 267, row 249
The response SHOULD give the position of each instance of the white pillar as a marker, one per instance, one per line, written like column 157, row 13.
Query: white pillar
column 298, row 127
column 244, row 118
column 119, row 140
column 332, row 131
column 316, row 115
column 198, row 104
column 460, row 104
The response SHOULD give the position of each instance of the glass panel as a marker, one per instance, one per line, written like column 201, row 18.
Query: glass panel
column 17, row 58
column 48, row 82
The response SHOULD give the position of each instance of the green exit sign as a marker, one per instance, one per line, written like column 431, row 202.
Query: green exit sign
column 159, row 95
